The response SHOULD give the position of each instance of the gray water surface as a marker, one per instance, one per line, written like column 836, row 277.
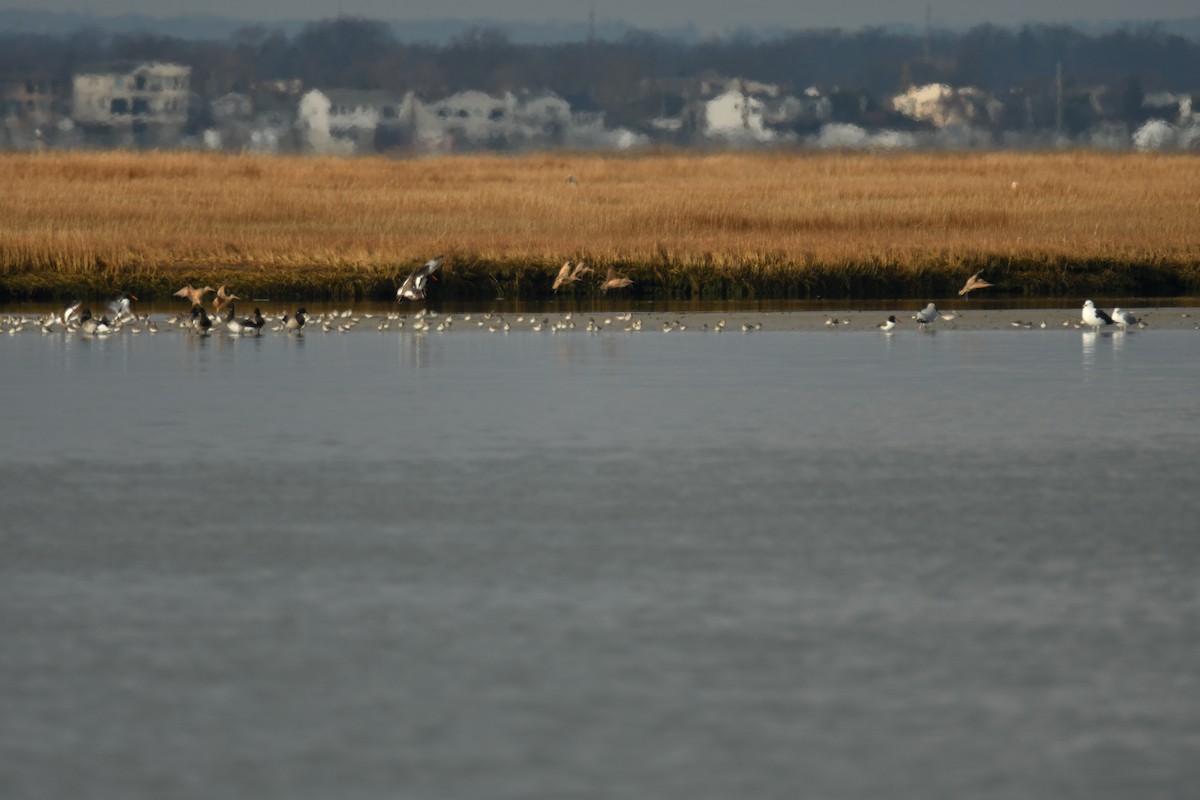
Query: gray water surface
column 774, row 564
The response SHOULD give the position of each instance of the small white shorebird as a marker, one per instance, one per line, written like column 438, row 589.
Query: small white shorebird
column 888, row 324
column 413, row 287
column 1096, row 317
column 1124, row 318
column 926, row 316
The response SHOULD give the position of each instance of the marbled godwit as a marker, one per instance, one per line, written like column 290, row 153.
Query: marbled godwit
column 613, row 282
column 974, row 282
column 193, row 296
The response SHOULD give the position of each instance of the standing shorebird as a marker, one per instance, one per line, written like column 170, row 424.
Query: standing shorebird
column 413, row 287
column 614, row 282
column 887, row 325
column 974, row 282
column 1096, row 317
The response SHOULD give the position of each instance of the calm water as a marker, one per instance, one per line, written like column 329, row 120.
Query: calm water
column 769, row 565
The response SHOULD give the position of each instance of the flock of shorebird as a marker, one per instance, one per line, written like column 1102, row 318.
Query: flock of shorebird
column 224, row 317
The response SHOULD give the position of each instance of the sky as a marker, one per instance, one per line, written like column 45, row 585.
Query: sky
column 708, row 16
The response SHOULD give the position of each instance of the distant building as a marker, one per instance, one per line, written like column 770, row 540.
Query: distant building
column 943, row 106
column 145, row 103
column 32, row 107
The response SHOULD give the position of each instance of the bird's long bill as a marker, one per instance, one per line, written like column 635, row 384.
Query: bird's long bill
column 133, row 297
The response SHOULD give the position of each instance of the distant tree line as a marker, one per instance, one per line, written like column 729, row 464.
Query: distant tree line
column 626, row 78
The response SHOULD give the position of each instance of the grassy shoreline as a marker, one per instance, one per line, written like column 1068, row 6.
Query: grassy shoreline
column 681, row 225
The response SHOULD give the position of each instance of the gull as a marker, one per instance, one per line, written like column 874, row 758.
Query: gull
column 613, row 282
column 948, row 315
column 1123, row 318
column 887, row 325
column 1096, row 317
column 222, row 299
column 974, row 282
column 926, row 315
column 193, row 296
column 413, row 287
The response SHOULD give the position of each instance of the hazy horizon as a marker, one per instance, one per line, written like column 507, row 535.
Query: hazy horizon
column 706, row 16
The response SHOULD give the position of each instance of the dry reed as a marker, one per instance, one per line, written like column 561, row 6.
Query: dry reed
column 778, row 223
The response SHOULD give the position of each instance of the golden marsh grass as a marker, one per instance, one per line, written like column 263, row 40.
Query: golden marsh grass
column 716, row 224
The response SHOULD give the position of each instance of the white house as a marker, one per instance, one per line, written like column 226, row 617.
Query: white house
column 148, row 98
column 943, row 106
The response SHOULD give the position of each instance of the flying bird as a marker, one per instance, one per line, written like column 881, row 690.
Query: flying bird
column 568, row 275
column 1096, row 317
column 613, row 282
column 222, row 299
column 564, row 275
column 120, row 306
column 974, row 282
column 413, row 287
column 193, row 296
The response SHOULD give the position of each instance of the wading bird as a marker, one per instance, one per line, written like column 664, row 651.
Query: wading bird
column 413, row 287
column 887, row 325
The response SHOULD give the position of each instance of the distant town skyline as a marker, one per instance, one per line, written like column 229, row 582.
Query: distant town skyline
column 707, row 16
